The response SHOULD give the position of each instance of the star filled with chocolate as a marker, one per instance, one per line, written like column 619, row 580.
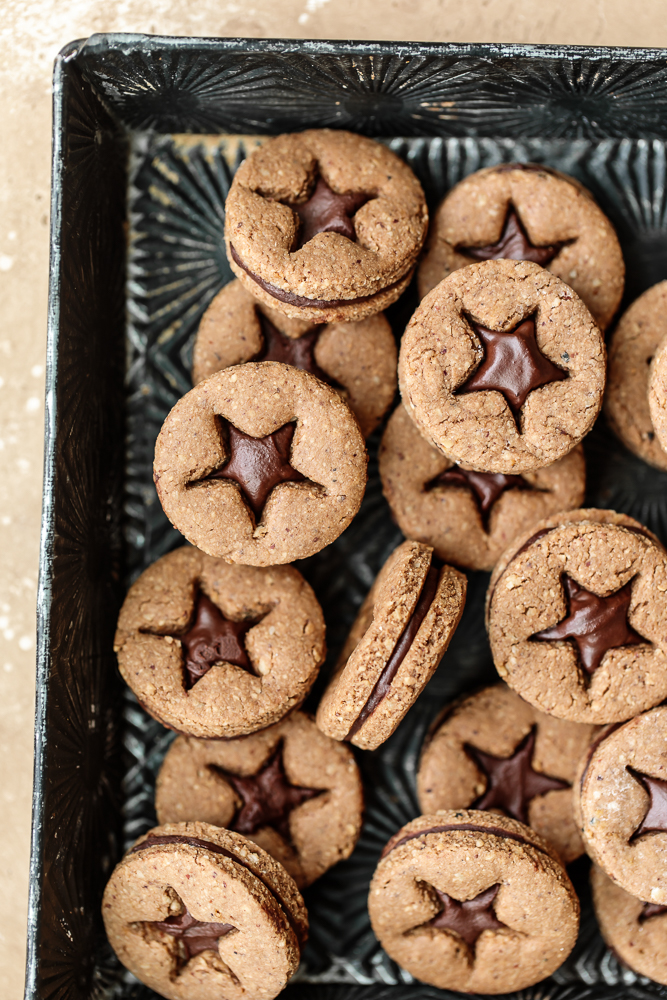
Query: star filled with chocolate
column 651, row 910
column 514, row 243
column 327, row 212
column 267, row 798
column 513, row 364
column 595, row 624
column 469, row 917
column 486, row 487
column 194, row 936
column 299, row 353
column 512, row 782
column 655, row 818
column 212, row 638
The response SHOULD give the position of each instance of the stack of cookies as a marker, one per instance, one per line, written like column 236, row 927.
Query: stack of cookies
column 502, row 372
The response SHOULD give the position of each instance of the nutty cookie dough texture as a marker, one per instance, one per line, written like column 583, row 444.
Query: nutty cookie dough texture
column 634, row 929
column 657, row 394
column 364, row 205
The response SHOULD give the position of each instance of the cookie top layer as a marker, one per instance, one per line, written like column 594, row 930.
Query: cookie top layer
column 526, row 211
column 216, row 650
column 657, row 394
column 260, row 464
column 468, row 517
column 324, row 224
column 289, row 788
column 193, row 910
column 398, row 638
column 575, row 618
column 502, row 367
column 473, row 901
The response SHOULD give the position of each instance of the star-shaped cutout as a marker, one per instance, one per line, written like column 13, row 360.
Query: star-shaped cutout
column 513, row 364
column 267, row 797
column 212, row 638
column 514, row 244
column 193, row 935
column 327, row 212
column 655, row 819
column 511, row 781
column 651, row 910
column 486, row 487
column 259, row 464
column 594, row 623
column 467, row 918
column 298, row 353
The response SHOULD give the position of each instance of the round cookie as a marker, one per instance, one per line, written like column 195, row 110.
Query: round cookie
column 632, row 347
column 198, row 913
column 290, row 789
column 324, row 225
column 468, row 517
column 473, row 901
column 396, row 642
column 260, row 464
column 219, row 651
column 657, row 394
column 502, row 367
column 620, row 799
column 576, row 620
column 357, row 359
column 635, row 931
column 493, row 751
column 525, row 211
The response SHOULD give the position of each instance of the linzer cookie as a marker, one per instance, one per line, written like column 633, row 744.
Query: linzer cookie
column 657, row 394
column 290, row 789
column 577, row 619
column 502, row 367
column 621, row 804
column 260, row 464
column 216, row 650
column 473, row 901
column 356, row 359
column 197, row 912
column 633, row 345
column 398, row 638
column 324, row 225
column 635, row 930
column 524, row 211
column 468, row 517
column 493, row 751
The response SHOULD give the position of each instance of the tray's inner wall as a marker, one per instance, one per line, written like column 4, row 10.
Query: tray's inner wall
column 177, row 264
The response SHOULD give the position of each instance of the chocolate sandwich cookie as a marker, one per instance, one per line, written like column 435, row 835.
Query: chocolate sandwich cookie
column 525, row 211
column 356, row 359
column 260, row 464
column 324, row 225
column 493, row 751
column 620, row 800
column 502, row 367
column 197, row 912
column 633, row 345
column 219, row 651
column 290, row 789
column 576, row 617
column 635, row 930
column 468, row 517
column 473, row 901
column 398, row 638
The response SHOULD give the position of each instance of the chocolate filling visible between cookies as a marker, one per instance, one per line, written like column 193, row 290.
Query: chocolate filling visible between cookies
column 495, row 831
column 298, row 352
column 400, row 650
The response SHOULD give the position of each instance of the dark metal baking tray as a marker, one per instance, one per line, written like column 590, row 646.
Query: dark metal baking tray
column 147, row 134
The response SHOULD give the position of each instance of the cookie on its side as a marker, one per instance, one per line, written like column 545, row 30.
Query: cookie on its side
column 468, row 517
column 525, row 211
column 398, row 639
column 289, row 788
column 195, row 911
column 357, row 359
column 473, row 901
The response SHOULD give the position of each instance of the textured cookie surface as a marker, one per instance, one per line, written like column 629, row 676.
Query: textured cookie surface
column 261, row 464
column 468, row 517
column 473, row 901
column 290, row 789
column 502, row 367
column 528, row 212
column 657, row 393
column 492, row 750
column 398, row 638
column 216, row 650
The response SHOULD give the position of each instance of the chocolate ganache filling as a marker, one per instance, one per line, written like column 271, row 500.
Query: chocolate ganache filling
column 400, row 650
column 495, row 831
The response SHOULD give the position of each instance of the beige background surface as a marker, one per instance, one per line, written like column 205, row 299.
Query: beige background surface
column 31, row 33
